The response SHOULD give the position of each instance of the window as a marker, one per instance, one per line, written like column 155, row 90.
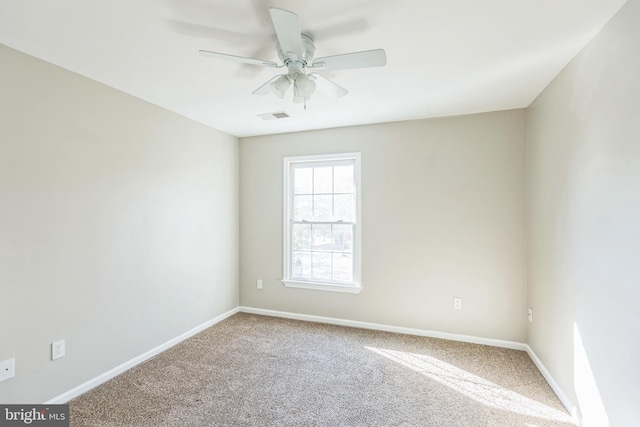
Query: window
column 322, row 222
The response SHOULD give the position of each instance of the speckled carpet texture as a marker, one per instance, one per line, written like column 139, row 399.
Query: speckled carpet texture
column 251, row 370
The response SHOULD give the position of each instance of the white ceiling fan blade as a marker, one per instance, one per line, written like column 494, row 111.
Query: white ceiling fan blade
column 242, row 59
column 287, row 28
column 366, row 59
column 328, row 87
column 209, row 32
column 265, row 88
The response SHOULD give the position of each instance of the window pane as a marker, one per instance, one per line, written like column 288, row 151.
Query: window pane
column 322, row 237
column 302, row 237
column 301, row 264
column 321, row 214
column 322, row 180
column 344, row 207
column 303, row 179
column 322, row 209
column 342, row 267
column 321, row 265
column 343, row 179
column 302, row 208
column 342, row 239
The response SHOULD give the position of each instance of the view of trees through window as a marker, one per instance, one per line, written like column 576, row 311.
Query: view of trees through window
column 323, row 221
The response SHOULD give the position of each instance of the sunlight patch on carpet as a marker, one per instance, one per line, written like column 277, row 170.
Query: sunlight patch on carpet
column 473, row 386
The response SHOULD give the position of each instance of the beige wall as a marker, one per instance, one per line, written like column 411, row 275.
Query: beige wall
column 583, row 186
column 118, row 226
column 442, row 216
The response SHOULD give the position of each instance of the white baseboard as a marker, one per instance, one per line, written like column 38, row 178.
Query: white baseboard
column 84, row 387
column 432, row 334
column 554, row 386
column 380, row 327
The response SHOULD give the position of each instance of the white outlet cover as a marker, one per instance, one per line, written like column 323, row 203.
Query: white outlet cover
column 457, row 303
column 57, row 350
column 7, row 369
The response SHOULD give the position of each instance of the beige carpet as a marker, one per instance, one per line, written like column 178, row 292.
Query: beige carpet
column 253, row 370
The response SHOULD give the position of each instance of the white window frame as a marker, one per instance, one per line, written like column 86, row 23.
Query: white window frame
column 356, row 286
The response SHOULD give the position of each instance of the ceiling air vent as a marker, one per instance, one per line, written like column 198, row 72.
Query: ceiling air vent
column 272, row 116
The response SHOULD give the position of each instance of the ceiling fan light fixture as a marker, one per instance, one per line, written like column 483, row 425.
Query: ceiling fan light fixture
column 303, row 86
column 280, row 86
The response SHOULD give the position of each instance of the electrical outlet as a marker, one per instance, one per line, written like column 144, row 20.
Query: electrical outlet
column 7, row 369
column 457, row 303
column 57, row 350
column 530, row 315
column 259, row 283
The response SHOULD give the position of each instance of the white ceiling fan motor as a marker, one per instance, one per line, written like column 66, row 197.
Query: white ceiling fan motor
column 308, row 50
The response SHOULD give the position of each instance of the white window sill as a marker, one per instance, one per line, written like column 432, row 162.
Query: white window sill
column 323, row 286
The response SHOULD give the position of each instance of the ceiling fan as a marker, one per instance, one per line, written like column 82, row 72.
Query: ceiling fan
column 296, row 51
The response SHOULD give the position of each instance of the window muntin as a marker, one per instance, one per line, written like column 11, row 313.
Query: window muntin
column 321, row 219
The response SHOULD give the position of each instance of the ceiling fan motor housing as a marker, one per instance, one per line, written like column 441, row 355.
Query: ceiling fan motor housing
column 308, row 50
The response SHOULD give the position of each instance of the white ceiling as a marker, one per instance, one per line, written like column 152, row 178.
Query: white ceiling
column 443, row 57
